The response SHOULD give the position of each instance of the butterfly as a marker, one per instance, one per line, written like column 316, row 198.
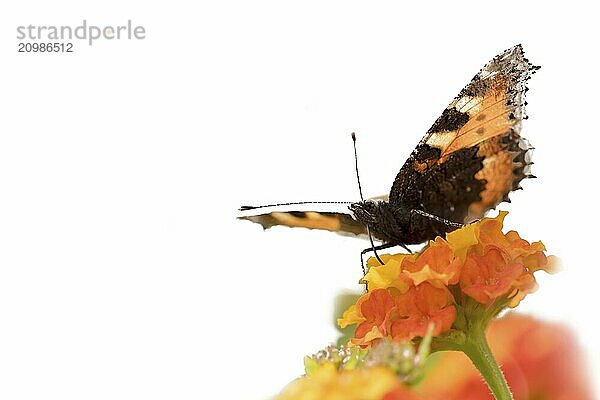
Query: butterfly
column 467, row 163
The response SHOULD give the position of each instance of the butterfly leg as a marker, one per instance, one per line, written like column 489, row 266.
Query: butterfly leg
column 449, row 225
column 406, row 248
column 368, row 249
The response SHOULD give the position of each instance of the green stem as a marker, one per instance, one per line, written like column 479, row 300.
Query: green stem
column 477, row 349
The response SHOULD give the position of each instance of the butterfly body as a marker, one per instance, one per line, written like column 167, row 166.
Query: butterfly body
column 470, row 159
column 399, row 225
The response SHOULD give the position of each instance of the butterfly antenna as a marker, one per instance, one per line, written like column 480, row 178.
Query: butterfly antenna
column 246, row 208
column 362, row 198
column 356, row 167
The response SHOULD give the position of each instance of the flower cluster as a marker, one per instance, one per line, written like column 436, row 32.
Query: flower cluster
column 541, row 360
column 382, row 372
column 329, row 383
column 475, row 266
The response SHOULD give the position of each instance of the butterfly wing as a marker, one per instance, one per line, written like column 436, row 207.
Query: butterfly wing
column 335, row 219
column 473, row 156
column 330, row 221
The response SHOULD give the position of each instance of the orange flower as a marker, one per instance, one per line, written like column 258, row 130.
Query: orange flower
column 498, row 265
column 436, row 264
column 409, row 291
column 420, row 306
column 377, row 309
column 401, row 316
column 489, row 276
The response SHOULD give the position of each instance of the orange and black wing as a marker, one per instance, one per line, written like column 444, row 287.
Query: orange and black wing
column 329, row 221
column 473, row 156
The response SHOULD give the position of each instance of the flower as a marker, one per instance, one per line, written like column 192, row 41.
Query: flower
column 437, row 264
column 475, row 268
column 402, row 316
column 541, row 360
column 329, row 383
column 383, row 372
column 377, row 311
column 490, row 275
column 388, row 275
column 420, row 306
column 498, row 265
column 446, row 295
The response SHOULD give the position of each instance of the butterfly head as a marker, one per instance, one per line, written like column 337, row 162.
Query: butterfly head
column 365, row 211
column 384, row 220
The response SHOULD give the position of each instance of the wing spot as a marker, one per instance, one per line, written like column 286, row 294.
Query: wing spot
column 480, row 117
column 480, row 131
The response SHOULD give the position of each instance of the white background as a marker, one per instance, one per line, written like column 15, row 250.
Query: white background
column 123, row 271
